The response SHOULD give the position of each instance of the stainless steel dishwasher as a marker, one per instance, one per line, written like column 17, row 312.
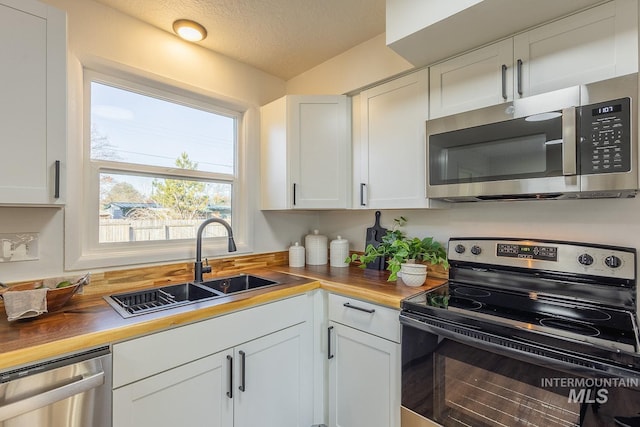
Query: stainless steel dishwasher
column 72, row 391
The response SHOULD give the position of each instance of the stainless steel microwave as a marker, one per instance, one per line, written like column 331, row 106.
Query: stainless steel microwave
column 578, row 142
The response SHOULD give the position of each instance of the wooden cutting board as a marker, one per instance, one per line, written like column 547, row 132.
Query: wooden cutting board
column 374, row 237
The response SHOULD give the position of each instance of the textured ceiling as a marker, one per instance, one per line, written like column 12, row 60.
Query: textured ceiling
column 281, row 37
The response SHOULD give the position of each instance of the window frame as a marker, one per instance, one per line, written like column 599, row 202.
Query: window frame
column 87, row 252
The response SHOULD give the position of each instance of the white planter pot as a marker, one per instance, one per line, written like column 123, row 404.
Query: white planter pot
column 413, row 274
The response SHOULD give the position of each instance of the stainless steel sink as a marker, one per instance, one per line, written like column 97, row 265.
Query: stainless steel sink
column 151, row 300
column 239, row 283
column 146, row 301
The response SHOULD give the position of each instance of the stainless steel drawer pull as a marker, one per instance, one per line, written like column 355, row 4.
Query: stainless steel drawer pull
column 363, row 187
column 242, row 370
column 56, row 189
column 294, row 194
column 519, row 69
column 355, row 307
column 329, row 355
column 230, row 390
column 504, row 81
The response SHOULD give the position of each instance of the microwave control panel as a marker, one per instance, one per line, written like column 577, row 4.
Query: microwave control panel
column 605, row 143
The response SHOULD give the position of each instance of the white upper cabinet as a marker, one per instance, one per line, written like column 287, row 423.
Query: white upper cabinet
column 389, row 154
column 424, row 32
column 596, row 44
column 33, row 103
column 306, row 153
column 480, row 78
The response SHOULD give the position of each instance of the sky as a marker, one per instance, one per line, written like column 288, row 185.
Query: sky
column 145, row 130
column 148, row 130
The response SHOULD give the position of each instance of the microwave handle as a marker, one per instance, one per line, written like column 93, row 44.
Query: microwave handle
column 569, row 142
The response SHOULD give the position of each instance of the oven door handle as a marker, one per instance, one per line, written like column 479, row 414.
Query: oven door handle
column 40, row 400
column 569, row 142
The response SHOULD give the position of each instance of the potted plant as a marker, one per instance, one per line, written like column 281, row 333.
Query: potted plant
column 398, row 249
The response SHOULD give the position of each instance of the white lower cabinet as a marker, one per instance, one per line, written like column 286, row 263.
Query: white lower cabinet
column 190, row 395
column 261, row 374
column 364, row 367
column 265, row 366
column 363, row 379
column 271, row 380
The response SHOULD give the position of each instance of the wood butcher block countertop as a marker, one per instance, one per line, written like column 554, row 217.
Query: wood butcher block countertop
column 88, row 321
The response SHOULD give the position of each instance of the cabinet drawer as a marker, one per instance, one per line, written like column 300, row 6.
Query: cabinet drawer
column 365, row 316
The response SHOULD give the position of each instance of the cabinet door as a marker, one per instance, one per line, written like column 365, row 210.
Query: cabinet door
column 320, row 151
column 273, row 382
column 392, row 148
column 32, row 105
column 364, row 379
column 191, row 395
column 593, row 45
column 477, row 79
column 305, row 154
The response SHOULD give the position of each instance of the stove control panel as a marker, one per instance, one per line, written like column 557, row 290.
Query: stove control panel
column 568, row 257
column 514, row 250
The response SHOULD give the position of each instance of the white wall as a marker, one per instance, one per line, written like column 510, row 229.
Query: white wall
column 606, row 221
column 362, row 65
column 48, row 223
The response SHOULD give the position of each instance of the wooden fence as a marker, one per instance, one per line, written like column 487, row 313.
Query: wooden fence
column 130, row 230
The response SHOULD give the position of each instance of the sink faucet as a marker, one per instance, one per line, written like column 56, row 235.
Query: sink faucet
column 199, row 269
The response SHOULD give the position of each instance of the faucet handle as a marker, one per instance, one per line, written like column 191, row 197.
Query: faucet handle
column 206, row 268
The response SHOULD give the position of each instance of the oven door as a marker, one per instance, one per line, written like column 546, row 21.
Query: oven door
column 503, row 151
column 450, row 380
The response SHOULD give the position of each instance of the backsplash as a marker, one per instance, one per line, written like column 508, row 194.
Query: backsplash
column 115, row 280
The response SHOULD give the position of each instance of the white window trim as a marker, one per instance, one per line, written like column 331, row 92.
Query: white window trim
column 82, row 250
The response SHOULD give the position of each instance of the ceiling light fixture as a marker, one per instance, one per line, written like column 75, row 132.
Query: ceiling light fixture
column 189, row 30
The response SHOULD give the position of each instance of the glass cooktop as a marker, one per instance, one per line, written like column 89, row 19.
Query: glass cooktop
column 545, row 314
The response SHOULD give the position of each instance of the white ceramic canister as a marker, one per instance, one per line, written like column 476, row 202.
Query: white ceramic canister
column 316, row 247
column 296, row 255
column 338, row 252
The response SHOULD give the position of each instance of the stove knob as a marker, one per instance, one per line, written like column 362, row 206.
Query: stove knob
column 460, row 249
column 585, row 259
column 612, row 261
column 476, row 250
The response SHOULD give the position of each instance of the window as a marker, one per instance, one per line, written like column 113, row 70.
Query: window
column 159, row 164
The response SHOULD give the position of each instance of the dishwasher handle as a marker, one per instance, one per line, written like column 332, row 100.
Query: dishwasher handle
column 40, row 400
